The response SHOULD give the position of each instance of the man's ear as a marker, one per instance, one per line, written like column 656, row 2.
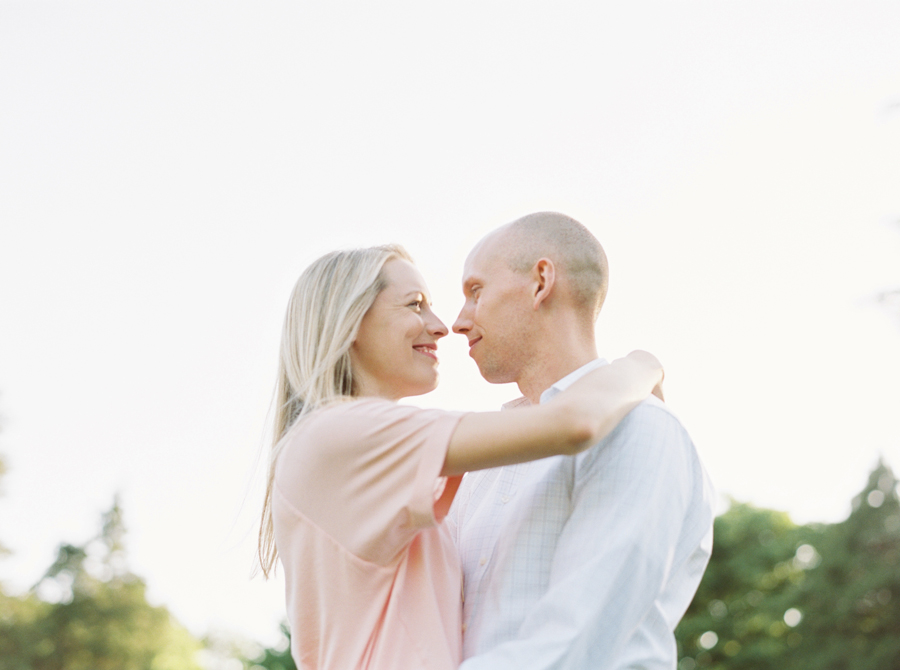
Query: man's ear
column 544, row 280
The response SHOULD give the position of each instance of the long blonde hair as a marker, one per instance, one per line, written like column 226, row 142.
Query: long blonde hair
column 323, row 315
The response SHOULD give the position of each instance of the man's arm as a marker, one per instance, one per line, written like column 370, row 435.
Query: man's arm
column 616, row 550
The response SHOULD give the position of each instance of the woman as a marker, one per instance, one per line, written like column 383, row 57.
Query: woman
column 358, row 484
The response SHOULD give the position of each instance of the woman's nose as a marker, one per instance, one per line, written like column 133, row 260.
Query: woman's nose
column 436, row 327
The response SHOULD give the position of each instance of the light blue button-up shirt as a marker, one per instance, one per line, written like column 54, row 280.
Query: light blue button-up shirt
column 588, row 561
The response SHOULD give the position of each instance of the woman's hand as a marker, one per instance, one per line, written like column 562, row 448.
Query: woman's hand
column 604, row 396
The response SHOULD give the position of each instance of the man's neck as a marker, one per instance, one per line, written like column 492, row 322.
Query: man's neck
column 558, row 360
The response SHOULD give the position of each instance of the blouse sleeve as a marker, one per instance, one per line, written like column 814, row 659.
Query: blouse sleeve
column 368, row 473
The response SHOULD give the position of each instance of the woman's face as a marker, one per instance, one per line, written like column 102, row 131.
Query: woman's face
column 395, row 352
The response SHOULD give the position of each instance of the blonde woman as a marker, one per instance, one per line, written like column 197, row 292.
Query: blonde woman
column 358, row 485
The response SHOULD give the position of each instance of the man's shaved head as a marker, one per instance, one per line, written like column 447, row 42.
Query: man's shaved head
column 572, row 248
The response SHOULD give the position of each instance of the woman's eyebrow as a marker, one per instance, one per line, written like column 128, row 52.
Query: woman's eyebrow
column 424, row 295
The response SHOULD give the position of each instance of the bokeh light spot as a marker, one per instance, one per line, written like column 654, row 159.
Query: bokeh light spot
column 875, row 498
column 806, row 557
column 709, row 640
column 792, row 617
column 718, row 609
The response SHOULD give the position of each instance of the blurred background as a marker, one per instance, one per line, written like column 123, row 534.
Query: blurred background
column 167, row 170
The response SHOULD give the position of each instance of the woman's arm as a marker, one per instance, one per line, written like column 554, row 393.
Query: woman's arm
column 578, row 417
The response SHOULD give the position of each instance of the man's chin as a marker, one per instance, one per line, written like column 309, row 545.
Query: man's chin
column 494, row 376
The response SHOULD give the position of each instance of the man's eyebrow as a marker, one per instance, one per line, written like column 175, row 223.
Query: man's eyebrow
column 471, row 279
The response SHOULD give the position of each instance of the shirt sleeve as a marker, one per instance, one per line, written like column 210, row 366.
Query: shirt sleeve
column 630, row 493
column 368, row 474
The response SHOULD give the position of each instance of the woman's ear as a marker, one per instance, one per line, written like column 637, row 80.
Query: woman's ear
column 544, row 279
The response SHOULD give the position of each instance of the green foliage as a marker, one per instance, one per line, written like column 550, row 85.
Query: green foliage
column 815, row 597
column 276, row 658
column 852, row 601
column 742, row 600
column 20, row 621
column 88, row 612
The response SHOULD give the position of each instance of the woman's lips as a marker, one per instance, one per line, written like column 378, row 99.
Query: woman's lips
column 429, row 350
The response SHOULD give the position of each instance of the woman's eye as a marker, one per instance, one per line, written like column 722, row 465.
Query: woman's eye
column 417, row 304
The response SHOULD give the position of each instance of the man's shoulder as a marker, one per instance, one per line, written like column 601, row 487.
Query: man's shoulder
column 651, row 432
column 651, row 441
column 649, row 414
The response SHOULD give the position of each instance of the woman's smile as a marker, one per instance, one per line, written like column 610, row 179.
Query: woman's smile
column 429, row 350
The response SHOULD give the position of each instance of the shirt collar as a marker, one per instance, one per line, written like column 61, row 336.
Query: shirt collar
column 571, row 378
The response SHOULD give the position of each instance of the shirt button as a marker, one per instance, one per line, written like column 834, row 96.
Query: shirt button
column 482, row 561
column 464, row 627
column 504, row 499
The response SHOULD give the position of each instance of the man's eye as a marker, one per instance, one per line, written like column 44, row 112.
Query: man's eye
column 415, row 303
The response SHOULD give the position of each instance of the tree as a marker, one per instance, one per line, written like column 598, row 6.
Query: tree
column 814, row 597
column 851, row 603
column 17, row 615
column 736, row 620
column 89, row 612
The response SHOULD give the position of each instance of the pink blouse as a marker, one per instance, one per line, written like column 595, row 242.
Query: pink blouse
column 372, row 576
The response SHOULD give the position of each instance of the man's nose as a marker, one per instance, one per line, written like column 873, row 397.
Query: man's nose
column 463, row 323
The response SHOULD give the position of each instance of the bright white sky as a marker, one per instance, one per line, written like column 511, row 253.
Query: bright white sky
column 167, row 169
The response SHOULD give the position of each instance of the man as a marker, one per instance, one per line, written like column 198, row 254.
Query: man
column 588, row 561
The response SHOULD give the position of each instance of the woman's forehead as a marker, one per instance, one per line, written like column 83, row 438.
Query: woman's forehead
column 403, row 277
